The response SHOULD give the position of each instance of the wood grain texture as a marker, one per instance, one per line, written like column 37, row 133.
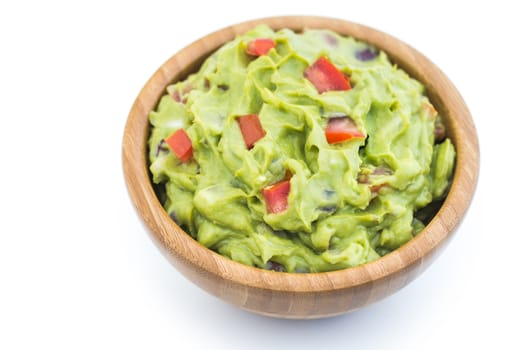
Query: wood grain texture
column 302, row 295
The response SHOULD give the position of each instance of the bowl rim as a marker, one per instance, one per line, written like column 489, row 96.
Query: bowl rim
column 179, row 246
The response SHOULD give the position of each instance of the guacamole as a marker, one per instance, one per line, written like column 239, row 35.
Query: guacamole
column 299, row 152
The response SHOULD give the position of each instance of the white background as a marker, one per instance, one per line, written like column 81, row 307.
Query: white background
column 77, row 269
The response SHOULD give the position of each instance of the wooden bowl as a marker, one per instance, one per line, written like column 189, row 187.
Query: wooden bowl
column 310, row 295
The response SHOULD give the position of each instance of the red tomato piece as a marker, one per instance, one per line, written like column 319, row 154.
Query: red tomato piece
column 326, row 77
column 260, row 46
column 251, row 129
column 180, row 144
column 341, row 129
column 276, row 197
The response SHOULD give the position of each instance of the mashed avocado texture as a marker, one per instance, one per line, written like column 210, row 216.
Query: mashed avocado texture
column 346, row 202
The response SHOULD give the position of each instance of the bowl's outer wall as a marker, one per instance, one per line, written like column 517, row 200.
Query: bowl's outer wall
column 302, row 295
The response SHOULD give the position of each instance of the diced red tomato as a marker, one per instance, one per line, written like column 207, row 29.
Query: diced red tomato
column 180, row 144
column 276, row 197
column 260, row 46
column 326, row 77
column 341, row 129
column 251, row 129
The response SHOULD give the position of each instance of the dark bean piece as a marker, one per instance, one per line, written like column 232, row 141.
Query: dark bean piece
column 329, row 193
column 439, row 130
column 331, row 40
column 367, row 54
column 174, row 217
column 275, row 266
column 161, row 147
column 328, row 209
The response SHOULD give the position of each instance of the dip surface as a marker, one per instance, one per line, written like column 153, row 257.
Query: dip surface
column 261, row 177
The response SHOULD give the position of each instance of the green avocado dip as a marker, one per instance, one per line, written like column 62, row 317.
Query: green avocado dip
column 299, row 152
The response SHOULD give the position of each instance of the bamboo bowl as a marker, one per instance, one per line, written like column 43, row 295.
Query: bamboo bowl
column 310, row 295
